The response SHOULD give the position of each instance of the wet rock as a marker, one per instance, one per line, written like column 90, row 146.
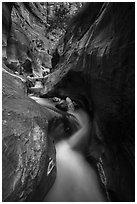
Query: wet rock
column 27, row 150
column 62, row 128
column 37, row 88
column 62, row 105
column 97, row 70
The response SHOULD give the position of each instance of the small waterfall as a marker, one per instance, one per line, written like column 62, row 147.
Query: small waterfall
column 76, row 180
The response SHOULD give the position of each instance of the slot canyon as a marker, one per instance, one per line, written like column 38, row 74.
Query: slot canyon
column 68, row 101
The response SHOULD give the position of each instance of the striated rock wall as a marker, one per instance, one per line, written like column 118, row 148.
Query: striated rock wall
column 24, row 23
column 97, row 69
column 32, row 30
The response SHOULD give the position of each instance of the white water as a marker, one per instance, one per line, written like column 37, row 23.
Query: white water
column 76, row 180
column 42, row 101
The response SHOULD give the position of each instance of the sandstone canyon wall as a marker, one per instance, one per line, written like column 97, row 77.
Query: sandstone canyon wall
column 97, row 69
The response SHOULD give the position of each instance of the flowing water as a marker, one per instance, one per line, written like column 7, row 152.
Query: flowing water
column 76, row 180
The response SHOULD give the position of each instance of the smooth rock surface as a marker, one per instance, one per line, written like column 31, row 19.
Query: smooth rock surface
column 28, row 152
column 27, row 148
column 97, row 68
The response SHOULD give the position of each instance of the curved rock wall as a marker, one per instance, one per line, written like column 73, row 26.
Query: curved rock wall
column 24, row 23
column 28, row 151
column 6, row 21
column 26, row 148
column 97, row 67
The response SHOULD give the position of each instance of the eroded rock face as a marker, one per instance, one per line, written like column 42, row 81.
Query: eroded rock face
column 23, row 23
column 28, row 152
column 18, row 44
column 27, row 149
column 6, row 21
column 97, row 68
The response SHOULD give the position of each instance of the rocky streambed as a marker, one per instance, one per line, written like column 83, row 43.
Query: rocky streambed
column 28, row 153
column 95, row 69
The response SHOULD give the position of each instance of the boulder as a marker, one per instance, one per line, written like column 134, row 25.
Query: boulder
column 28, row 151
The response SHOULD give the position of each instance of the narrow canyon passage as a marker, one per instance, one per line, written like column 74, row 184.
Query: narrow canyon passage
column 76, row 180
column 68, row 101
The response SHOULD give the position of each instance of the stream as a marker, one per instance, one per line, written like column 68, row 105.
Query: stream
column 76, row 180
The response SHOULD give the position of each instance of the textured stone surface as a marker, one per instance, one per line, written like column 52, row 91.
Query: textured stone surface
column 97, row 69
column 28, row 152
column 22, row 24
column 18, row 44
column 6, row 21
